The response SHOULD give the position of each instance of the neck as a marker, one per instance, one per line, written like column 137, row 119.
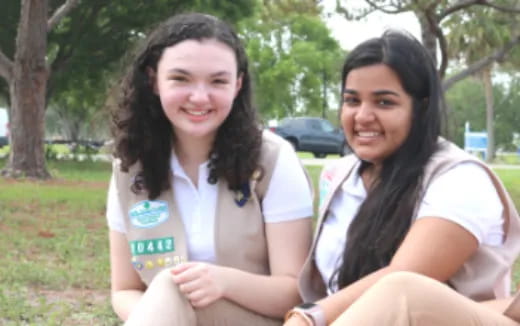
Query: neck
column 370, row 174
column 192, row 151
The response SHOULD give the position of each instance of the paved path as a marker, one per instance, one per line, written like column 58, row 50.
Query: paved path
column 322, row 161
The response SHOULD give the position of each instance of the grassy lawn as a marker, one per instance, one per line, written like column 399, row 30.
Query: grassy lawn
column 54, row 248
column 54, row 261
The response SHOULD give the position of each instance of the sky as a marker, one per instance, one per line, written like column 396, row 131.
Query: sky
column 351, row 33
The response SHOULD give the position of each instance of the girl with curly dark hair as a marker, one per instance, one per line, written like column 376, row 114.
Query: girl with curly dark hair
column 208, row 215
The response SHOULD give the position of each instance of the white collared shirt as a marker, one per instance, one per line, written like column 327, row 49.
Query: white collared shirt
column 287, row 198
column 464, row 194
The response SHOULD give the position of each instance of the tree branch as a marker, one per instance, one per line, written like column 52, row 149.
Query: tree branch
column 458, row 6
column 349, row 16
column 487, row 3
column 395, row 10
column 6, row 67
column 373, row 7
column 433, row 22
column 468, row 3
column 478, row 65
column 61, row 12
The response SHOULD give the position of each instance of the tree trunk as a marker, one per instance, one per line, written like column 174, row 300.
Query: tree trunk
column 324, row 100
column 27, row 93
column 428, row 37
column 490, row 113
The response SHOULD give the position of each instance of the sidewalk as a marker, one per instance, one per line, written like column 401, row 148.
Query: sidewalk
column 322, row 161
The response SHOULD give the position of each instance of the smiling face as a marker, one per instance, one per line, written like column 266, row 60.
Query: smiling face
column 376, row 114
column 197, row 82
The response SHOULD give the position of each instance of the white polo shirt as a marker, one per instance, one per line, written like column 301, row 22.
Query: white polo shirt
column 464, row 195
column 288, row 197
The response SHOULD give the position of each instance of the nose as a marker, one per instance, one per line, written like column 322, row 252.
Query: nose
column 364, row 113
column 199, row 93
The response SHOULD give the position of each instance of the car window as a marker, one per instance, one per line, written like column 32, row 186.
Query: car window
column 284, row 123
column 326, row 126
column 295, row 123
column 314, row 124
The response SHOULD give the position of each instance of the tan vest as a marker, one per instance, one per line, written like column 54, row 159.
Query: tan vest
column 479, row 275
column 156, row 233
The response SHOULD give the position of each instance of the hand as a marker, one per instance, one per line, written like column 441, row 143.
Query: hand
column 202, row 283
column 296, row 320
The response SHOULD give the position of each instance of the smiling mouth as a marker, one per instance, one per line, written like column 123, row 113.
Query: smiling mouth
column 368, row 134
column 197, row 113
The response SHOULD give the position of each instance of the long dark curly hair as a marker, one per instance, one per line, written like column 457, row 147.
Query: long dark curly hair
column 143, row 133
column 386, row 215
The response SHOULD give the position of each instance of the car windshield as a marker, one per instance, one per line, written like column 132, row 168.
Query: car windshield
column 326, row 126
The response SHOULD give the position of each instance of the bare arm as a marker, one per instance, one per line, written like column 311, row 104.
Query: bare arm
column 270, row 295
column 434, row 247
column 499, row 305
column 127, row 287
column 288, row 246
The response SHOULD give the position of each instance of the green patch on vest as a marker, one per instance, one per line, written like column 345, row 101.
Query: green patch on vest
column 152, row 246
column 148, row 213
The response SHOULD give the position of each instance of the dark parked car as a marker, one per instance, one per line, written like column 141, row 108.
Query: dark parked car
column 314, row 135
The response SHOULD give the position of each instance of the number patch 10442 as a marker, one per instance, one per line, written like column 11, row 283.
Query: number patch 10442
column 152, row 246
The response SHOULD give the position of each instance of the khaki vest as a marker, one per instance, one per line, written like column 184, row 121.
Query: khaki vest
column 156, row 233
column 479, row 276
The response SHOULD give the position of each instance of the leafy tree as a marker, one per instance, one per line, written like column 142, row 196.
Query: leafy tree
column 82, row 40
column 466, row 102
column 294, row 59
column 474, row 31
column 431, row 16
column 507, row 114
column 467, row 99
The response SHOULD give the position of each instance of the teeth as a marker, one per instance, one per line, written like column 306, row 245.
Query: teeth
column 198, row 113
column 368, row 133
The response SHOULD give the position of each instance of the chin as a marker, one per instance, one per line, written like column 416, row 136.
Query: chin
column 365, row 157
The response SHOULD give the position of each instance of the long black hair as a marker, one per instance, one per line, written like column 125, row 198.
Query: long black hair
column 386, row 214
column 144, row 134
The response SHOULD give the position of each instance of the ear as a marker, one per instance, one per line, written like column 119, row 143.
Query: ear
column 152, row 75
column 238, row 85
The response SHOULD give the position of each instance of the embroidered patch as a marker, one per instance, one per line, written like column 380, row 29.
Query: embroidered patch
column 242, row 195
column 158, row 263
column 325, row 182
column 148, row 213
column 152, row 246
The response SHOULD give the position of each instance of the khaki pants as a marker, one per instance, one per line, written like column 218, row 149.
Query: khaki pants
column 164, row 305
column 414, row 300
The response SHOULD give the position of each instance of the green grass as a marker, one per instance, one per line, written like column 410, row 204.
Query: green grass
column 508, row 158
column 54, row 249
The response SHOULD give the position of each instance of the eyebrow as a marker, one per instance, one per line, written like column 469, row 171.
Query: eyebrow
column 186, row 72
column 377, row 93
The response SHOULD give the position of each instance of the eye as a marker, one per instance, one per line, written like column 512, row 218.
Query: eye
column 385, row 102
column 220, row 81
column 350, row 100
column 178, row 78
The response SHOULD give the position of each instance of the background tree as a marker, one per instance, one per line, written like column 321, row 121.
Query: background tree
column 431, row 16
column 80, row 40
column 507, row 114
column 473, row 32
column 294, row 59
column 466, row 98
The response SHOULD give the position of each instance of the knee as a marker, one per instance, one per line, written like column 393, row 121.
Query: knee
column 403, row 284
column 165, row 273
column 164, row 278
